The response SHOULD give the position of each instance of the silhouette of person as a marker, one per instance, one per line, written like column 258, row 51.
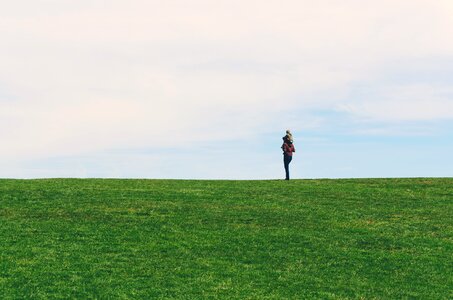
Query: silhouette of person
column 288, row 149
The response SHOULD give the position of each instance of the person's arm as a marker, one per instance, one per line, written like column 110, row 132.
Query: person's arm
column 294, row 148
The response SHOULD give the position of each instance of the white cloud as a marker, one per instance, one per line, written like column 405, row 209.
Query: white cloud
column 404, row 103
column 91, row 75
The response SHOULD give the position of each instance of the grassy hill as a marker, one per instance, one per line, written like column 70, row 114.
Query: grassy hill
column 329, row 239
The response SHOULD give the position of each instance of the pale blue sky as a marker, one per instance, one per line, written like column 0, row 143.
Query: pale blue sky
column 206, row 89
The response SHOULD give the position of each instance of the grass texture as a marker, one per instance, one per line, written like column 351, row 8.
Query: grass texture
column 156, row 239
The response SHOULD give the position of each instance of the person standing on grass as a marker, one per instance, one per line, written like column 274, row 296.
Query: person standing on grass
column 288, row 149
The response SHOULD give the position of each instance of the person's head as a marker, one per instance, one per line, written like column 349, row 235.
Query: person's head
column 287, row 140
column 289, row 135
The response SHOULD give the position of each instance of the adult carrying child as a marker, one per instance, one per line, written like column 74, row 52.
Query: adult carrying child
column 288, row 150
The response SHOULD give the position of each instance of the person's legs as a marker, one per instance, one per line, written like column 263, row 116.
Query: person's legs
column 285, row 164
column 286, row 160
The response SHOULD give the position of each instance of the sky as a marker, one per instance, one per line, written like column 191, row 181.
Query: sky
column 205, row 89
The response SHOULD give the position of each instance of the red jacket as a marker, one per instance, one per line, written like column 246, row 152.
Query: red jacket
column 288, row 149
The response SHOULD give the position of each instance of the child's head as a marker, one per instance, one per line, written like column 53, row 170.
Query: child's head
column 289, row 135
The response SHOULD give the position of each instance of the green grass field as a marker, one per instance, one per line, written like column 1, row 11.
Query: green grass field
column 326, row 239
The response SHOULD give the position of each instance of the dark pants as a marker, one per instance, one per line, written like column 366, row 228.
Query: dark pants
column 286, row 160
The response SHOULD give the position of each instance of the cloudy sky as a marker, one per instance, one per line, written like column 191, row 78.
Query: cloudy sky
column 206, row 89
